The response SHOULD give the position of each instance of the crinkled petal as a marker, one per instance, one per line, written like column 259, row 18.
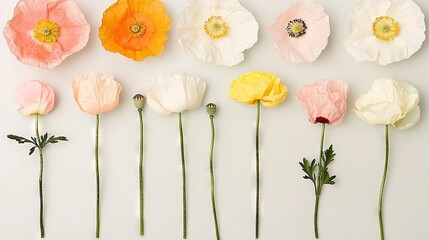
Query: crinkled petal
column 95, row 93
column 364, row 46
column 35, row 97
column 378, row 113
column 226, row 50
column 74, row 32
column 116, row 36
column 411, row 119
column 258, row 86
column 308, row 47
column 176, row 93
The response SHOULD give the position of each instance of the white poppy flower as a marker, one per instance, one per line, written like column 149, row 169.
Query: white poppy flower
column 385, row 31
column 175, row 93
column 390, row 102
column 217, row 31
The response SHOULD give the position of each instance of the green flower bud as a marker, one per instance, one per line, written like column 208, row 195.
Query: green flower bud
column 211, row 109
column 139, row 101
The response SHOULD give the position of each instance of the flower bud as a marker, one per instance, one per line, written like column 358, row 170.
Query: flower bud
column 139, row 101
column 211, row 109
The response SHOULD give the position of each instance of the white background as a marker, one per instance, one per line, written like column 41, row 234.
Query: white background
column 348, row 210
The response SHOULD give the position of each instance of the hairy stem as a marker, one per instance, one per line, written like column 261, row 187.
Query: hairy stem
column 182, row 151
column 39, row 142
column 212, row 180
column 97, row 172
column 141, row 174
column 319, row 183
column 380, row 201
column 258, row 116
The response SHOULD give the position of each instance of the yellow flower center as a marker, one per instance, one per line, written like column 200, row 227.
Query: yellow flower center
column 138, row 29
column 215, row 27
column 296, row 28
column 385, row 28
column 46, row 31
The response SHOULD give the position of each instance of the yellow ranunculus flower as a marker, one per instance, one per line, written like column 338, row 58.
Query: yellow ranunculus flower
column 255, row 86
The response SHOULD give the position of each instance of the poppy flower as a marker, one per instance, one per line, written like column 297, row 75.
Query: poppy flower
column 301, row 32
column 177, row 93
column 37, row 98
column 135, row 28
column 326, row 103
column 385, row 31
column 96, row 94
column 388, row 102
column 43, row 33
column 217, row 31
column 258, row 88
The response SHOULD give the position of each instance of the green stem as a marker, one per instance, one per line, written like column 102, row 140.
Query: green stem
column 182, row 151
column 380, row 201
column 316, row 210
column 258, row 116
column 141, row 175
column 319, row 183
column 39, row 142
column 212, row 180
column 97, row 172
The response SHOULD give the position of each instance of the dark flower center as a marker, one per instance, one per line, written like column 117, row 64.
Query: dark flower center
column 296, row 28
column 322, row 120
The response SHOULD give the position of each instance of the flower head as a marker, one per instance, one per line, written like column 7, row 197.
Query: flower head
column 43, row 33
column 139, row 101
column 135, row 28
column 258, row 86
column 217, row 31
column 301, row 32
column 211, row 109
column 35, row 97
column 95, row 93
column 390, row 102
column 385, row 31
column 176, row 93
column 325, row 101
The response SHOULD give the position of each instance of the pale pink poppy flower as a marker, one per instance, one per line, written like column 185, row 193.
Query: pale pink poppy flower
column 35, row 97
column 43, row 33
column 96, row 93
column 301, row 32
column 325, row 101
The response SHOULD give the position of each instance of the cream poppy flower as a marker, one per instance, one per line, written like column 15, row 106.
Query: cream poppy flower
column 217, row 31
column 176, row 93
column 385, row 31
column 390, row 102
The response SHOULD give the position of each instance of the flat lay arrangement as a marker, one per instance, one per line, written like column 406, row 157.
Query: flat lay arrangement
column 199, row 60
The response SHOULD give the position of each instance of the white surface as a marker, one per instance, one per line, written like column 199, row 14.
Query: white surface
column 348, row 210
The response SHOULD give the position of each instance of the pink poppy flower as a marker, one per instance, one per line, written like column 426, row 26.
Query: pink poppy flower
column 96, row 93
column 301, row 32
column 35, row 97
column 43, row 33
column 325, row 101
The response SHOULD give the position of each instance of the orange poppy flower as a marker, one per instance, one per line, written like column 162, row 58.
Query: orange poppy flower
column 135, row 28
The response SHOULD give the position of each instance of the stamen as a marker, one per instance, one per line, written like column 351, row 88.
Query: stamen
column 296, row 28
column 385, row 28
column 216, row 27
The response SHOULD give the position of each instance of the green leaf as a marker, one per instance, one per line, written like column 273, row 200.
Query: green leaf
column 329, row 156
column 52, row 139
column 309, row 169
column 32, row 150
column 19, row 139
column 327, row 159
